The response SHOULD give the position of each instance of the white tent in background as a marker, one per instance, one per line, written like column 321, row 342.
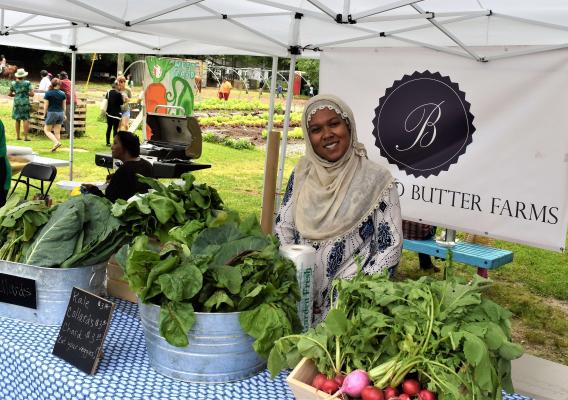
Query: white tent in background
column 285, row 27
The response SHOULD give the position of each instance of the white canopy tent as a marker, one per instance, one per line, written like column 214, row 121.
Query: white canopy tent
column 285, row 28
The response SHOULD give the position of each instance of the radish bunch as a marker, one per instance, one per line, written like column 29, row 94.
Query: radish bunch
column 357, row 385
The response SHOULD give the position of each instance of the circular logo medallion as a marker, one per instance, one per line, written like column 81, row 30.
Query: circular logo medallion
column 423, row 124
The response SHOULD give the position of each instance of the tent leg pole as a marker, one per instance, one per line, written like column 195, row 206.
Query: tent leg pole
column 267, row 167
column 289, row 98
column 72, row 104
column 272, row 92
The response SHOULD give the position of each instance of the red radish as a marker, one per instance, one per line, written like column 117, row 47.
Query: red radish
column 390, row 392
column 330, row 386
column 339, row 378
column 404, row 396
column 318, row 381
column 372, row 393
column 411, row 387
column 425, row 394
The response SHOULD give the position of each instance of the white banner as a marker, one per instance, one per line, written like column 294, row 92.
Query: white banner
column 477, row 147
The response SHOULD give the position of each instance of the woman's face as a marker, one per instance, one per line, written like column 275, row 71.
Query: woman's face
column 329, row 135
column 116, row 149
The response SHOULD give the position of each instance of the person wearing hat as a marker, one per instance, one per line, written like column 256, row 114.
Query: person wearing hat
column 21, row 90
column 65, row 85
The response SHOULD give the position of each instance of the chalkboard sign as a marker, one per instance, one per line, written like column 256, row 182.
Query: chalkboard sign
column 18, row 290
column 83, row 330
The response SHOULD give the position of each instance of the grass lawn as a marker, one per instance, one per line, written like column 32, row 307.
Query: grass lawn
column 534, row 287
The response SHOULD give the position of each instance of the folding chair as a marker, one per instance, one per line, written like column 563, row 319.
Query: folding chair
column 41, row 172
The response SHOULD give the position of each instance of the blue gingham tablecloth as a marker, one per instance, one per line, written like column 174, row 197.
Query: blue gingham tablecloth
column 28, row 370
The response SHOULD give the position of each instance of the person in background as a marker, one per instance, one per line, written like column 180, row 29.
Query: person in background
column 66, row 87
column 126, row 93
column 3, row 63
column 279, row 91
column 129, row 81
column 45, row 81
column 416, row 231
column 113, row 111
column 225, row 90
column 311, row 91
column 124, row 184
column 339, row 202
column 198, row 83
column 260, row 88
column 54, row 106
column 5, row 168
column 21, row 90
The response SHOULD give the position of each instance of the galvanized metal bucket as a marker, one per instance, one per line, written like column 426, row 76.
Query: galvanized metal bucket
column 53, row 288
column 219, row 350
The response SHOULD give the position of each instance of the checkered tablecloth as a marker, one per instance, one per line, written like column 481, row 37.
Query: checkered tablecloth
column 28, row 370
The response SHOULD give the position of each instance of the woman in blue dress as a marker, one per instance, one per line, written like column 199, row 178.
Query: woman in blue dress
column 339, row 202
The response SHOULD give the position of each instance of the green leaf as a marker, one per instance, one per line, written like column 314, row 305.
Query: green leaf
column 336, row 321
column 181, row 284
column 176, row 319
column 510, row 351
column 276, row 359
column 217, row 300
column 495, row 337
column 266, row 323
column 474, row 349
column 56, row 241
column 228, row 277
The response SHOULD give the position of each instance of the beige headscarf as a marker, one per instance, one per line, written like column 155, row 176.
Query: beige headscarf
column 332, row 198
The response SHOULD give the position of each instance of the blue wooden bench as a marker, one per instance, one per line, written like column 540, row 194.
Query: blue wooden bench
column 477, row 255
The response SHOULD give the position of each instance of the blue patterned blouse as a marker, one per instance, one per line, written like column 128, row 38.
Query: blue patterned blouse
column 377, row 242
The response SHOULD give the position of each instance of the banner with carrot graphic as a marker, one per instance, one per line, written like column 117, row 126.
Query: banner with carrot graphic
column 168, row 82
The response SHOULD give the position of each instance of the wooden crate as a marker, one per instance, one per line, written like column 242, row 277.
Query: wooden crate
column 300, row 380
column 37, row 117
column 117, row 286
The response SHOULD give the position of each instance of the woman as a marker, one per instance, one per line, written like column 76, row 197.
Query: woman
column 113, row 111
column 124, row 184
column 339, row 202
column 21, row 90
column 126, row 96
column 54, row 106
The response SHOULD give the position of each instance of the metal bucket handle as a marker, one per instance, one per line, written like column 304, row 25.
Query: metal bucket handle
column 170, row 107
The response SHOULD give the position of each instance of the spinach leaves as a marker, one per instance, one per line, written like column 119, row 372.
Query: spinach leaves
column 458, row 342
column 217, row 264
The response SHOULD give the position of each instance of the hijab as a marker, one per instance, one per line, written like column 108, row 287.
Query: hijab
column 332, row 198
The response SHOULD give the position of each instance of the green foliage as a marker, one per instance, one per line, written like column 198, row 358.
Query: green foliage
column 80, row 231
column 235, row 105
column 237, row 144
column 457, row 341
column 260, row 120
column 4, row 86
column 167, row 207
column 295, row 133
column 18, row 225
column 311, row 68
column 211, row 261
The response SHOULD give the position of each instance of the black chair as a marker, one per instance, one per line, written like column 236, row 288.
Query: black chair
column 41, row 172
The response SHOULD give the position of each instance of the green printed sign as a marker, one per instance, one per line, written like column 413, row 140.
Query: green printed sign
column 168, row 82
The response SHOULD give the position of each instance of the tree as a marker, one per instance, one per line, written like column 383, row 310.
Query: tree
column 311, row 68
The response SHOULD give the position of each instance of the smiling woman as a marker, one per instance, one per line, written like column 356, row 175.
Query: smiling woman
column 339, row 202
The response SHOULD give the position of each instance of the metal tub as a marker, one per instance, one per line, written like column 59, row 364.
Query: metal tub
column 218, row 351
column 53, row 288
